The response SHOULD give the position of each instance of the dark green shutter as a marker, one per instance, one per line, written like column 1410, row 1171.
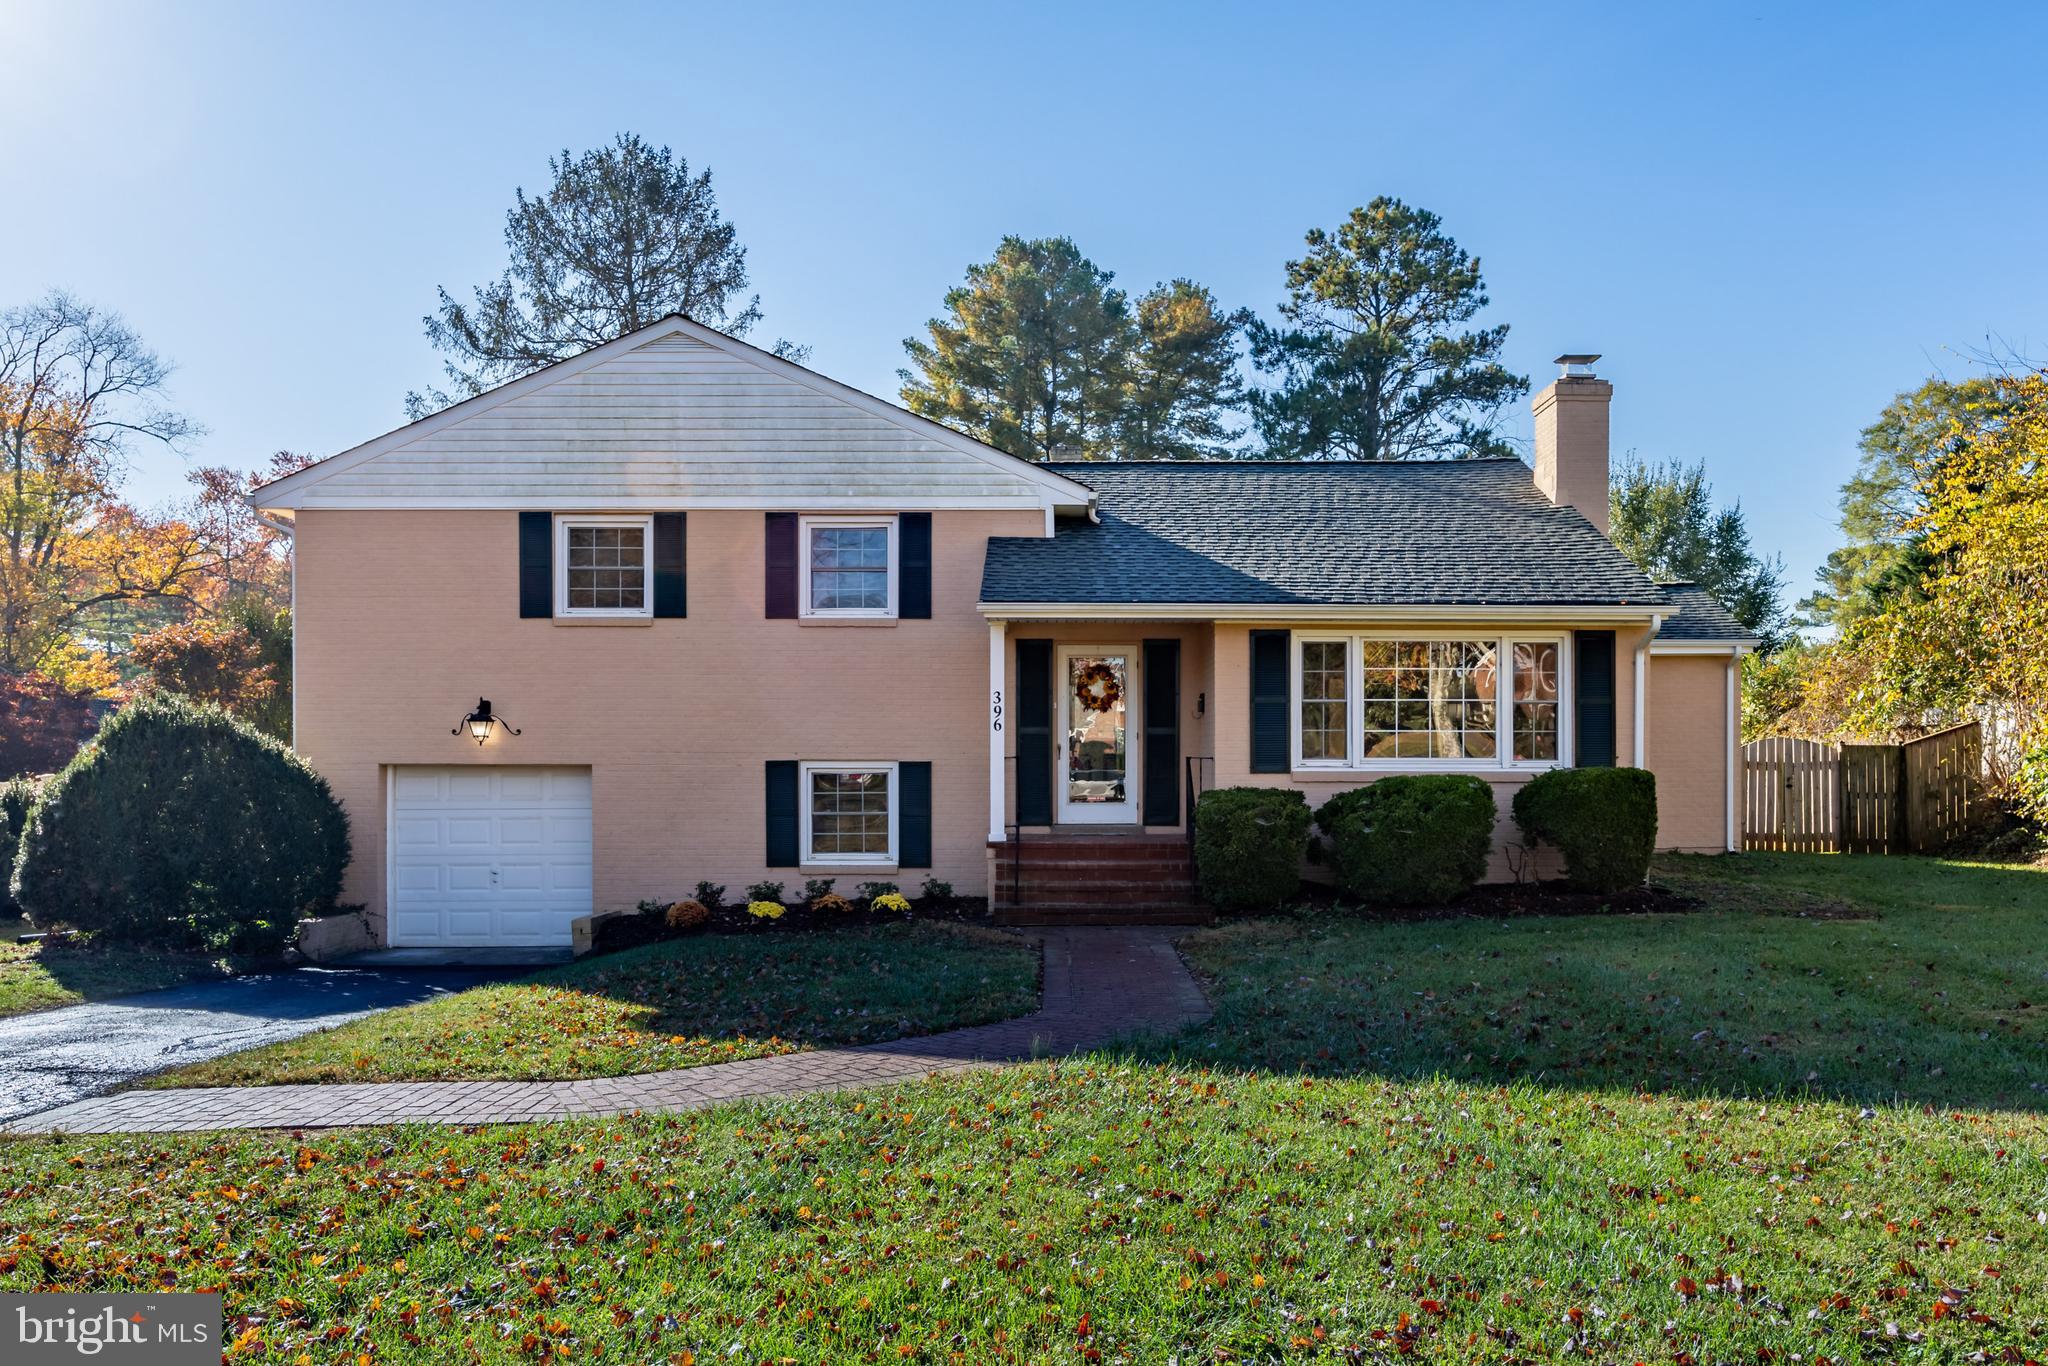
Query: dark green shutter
column 781, row 585
column 914, row 577
column 1033, row 711
column 783, row 835
column 914, row 815
column 536, row 564
column 1162, row 732
column 1270, row 728
column 671, row 593
column 1593, row 684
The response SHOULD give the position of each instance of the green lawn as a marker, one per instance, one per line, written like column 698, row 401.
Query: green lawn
column 683, row 1003
column 39, row 976
column 1938, row 995
column 1592, row 1192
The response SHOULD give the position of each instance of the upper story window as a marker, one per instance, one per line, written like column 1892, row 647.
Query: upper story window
column 1368, row 701
column 602, row 566
column 849, row 566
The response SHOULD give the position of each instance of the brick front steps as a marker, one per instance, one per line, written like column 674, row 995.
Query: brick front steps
column 1109, row 879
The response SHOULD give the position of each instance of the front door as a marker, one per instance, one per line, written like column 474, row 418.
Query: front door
column 1098, row 783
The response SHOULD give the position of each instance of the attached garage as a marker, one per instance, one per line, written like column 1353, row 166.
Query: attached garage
column 488, row 855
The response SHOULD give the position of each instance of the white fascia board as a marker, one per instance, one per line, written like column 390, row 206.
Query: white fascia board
column 544, row 503
column 1700, row 647
column 1057, row 490
column 1282, row 612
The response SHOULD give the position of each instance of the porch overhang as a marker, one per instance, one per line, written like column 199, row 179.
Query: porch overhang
column 1287, row 612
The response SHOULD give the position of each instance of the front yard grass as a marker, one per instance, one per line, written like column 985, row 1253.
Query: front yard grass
column 41, row 976
column 1860, row 979
column 681, row 1003
column 1580, row 1187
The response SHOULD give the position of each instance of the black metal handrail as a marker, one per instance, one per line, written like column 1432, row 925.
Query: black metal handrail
column 1196, row 786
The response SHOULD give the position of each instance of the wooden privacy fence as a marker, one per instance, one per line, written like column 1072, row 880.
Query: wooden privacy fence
column 1810, row 797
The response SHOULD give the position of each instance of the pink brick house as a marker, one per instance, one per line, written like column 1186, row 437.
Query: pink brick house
column 752, row 624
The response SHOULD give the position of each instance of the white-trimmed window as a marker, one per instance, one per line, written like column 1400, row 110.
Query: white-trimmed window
column 603, row 566
column 1379, row 701
column 849, row 813
column 847, row 566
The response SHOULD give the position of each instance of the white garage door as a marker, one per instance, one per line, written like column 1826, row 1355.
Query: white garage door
column 488, row 855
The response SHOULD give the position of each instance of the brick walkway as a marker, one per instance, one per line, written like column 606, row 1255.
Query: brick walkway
column 1099, row 984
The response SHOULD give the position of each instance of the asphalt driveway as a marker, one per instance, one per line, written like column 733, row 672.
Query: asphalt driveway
column 54, row 1057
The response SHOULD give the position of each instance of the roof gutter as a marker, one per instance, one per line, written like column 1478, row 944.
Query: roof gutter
column 1284, row 612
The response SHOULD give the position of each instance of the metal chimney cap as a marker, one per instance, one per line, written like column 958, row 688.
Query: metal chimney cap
column 1576, row 365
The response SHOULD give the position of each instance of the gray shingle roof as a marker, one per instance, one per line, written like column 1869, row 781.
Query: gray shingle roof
column 1700, row 617
column 1467, row 532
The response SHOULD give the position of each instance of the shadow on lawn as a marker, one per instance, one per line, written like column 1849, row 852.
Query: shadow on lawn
column 1881, row 982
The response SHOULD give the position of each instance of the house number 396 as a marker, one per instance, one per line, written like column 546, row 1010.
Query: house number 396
column 995, row 710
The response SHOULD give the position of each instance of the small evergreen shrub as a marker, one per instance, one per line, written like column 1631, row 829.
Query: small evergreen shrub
column 872, row 892
column 935, row 890
column 710, row 895
column 1410, row 839
column 817, row 887
column 17, row 796
column 1603, row 820
column 183, row 827
column 685, row 916
column 764, row 891
column 1249, row 843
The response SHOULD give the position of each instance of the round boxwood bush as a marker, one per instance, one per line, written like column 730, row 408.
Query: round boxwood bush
column 1410, row 839
column 1603, row 820
column 1249, row 843
column 180, row 826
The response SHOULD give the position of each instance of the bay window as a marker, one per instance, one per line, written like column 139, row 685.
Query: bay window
column 1382, row 701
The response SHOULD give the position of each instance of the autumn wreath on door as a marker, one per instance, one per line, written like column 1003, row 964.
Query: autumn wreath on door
column 1096, row 686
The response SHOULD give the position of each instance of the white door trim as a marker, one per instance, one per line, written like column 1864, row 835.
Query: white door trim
column 1126, row 811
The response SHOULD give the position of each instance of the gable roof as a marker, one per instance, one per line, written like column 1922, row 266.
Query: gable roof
column 674, row 415
column 1381, row 534
column 1700, row 618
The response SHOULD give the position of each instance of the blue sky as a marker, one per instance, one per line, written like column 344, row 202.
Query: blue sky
column 1769, row 218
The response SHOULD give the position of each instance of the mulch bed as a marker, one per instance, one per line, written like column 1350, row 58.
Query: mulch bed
column 649, row 927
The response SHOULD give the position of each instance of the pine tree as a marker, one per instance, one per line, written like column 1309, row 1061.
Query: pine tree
column 1184, row 377
column 1374, row 365
column 1041, row 356
column 624, row 236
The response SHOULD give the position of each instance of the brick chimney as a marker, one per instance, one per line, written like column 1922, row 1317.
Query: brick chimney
column 1571, row 439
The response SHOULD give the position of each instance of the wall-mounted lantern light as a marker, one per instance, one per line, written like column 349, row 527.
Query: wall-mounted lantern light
column 1201, row 703
column 480, row 722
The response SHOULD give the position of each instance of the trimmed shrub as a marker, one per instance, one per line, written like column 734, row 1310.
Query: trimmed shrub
column 180, row 826
column 1603, row 820
column 1249, row 843
column 710, row 895
column 936, row 890
column 764, row 891
column 1410, row 839
column 17, row 795
column 685, row 916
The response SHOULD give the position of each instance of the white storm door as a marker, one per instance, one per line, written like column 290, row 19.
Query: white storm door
column 1097, row 710
column 488, row 855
